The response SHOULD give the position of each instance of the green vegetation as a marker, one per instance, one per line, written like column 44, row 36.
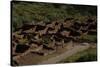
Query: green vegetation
column 46, row 40
column 86, row 55
column 28, row 12
column 91, row 38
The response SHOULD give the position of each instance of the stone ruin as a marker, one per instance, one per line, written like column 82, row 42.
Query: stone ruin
column 48, row 38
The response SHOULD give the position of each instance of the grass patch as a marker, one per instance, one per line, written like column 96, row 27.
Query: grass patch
column 84, row 56
column 90, row 38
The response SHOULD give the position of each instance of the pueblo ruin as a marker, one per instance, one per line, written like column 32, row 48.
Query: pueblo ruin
column 47, row 38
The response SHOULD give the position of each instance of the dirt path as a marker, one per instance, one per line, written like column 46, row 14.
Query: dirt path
column 66, row 54
column 30, row 59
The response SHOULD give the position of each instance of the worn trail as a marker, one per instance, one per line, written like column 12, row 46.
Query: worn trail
column 66, row 54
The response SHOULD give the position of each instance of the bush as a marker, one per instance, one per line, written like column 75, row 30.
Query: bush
column 89, row 38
